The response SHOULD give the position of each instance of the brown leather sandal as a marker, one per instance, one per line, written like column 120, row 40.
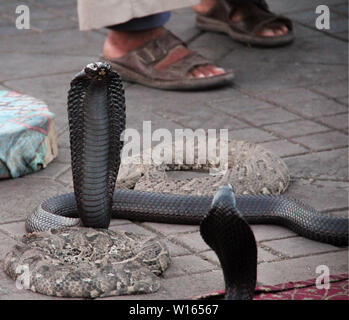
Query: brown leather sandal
column 143, row 65
column 218, row 19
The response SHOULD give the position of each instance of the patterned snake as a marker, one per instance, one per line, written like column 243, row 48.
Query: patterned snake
column 96, row 111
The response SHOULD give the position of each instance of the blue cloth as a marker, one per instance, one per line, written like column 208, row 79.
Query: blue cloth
column 143, row 23
column 24, row 125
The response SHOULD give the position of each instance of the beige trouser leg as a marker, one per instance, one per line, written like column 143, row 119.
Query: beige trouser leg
column 95, row 14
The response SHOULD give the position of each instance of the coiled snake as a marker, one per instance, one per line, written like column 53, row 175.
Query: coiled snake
column 96, row 110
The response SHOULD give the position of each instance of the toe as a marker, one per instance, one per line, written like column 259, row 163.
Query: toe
column 196, row 73
column 205, row 71
column 267, row 32
column 272, row 32
column 284, row 29
column 217, row 70
column 278, row 32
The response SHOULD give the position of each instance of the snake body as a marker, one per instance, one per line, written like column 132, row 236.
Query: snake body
column 96, row 109
column 61, row 210
column 96, row 112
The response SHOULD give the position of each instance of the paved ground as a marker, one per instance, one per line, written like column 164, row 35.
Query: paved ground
column 292, row 100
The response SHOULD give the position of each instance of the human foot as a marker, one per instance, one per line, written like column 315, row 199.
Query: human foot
column 118, row 44
column 159, row 59
column 251, row 23
column 272, row 30
column 242, row 11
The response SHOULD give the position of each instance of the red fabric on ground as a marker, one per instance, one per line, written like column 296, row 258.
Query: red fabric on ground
column 300, row 290
column 306, row 290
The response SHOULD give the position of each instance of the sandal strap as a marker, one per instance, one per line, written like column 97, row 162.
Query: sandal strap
column 144, row 59
column 156, row 50
column 187, row 63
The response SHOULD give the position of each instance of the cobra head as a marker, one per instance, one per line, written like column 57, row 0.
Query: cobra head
column 97, row 69
column 225, row 195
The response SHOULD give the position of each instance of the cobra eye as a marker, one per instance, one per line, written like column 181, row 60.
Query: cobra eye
column 92, row 66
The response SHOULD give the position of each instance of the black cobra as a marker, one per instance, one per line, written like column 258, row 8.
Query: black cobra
column 226, row 231
column 96, row 109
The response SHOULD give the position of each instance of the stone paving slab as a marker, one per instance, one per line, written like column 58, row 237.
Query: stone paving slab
column 56, row 23
column 284, row 148
column 296, row 95
column 205, row 118
column 270, row 232
column 175, row 249
column 298, row 246
column 29, row 191
column 192, row 241
column 8, row 9
column 192, row 264
column 268, row 116
column 252, row 135
column 53, row 171
column 292, row 100
column 339, row 121
column 342, row 35
column 344, row 101
column 6, row 27
column 194, row 284
column 168, row 229
column 287, row 75
column 66, row 177
column 320, row 165
column 323, row 195
column 334, row 90
column 15, row 230
column 338, row 23
column 133, row 228
column 309, row 17
column 303, row 268
column 341, row 9
column 317, row 108
column 38, row 65
column 263, row 255
column 291, row 128
column 6, row 242
column 297, row 53
column 234, row 101
column 182, row 24
column 71, row 43
column 324, row 140
column 63, row 156
column 299, row 6
column 222, row 46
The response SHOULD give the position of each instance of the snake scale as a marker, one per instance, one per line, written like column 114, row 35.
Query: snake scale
column 96, row 110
